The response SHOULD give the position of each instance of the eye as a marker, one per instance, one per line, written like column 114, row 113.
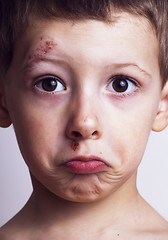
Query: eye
column 122, row 84
column 50, row 84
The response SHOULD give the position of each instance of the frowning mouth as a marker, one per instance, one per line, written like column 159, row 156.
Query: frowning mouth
column 85, row 165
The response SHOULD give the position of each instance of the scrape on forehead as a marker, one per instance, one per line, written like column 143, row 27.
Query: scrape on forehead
column 44, row 47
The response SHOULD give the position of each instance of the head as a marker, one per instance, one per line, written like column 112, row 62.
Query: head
column 79, row 81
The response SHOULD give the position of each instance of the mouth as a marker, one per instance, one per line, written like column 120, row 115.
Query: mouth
column 85, row 165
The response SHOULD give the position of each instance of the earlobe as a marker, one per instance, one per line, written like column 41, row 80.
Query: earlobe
column 161, row 119
column 5, row 120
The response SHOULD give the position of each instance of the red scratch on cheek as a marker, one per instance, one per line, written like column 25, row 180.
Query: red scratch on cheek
column 74, row 145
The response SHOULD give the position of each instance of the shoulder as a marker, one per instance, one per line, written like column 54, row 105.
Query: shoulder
column 6, row 232
column 148, row 224
column 12, row 231
column 155, row 228
column 161, row 233
column 19, row 227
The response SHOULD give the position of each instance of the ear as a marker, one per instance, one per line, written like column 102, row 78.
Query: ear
column 5, row 120
column 161, row 119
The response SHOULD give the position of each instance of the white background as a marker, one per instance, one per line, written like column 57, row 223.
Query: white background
column 15, row 185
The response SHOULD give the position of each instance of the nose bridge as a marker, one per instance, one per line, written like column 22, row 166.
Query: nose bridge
column 85, row 114
column 84, row 120
column 85, row 106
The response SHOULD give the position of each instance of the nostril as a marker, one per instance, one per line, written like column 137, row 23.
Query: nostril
column 95, row 134
column 76, row 134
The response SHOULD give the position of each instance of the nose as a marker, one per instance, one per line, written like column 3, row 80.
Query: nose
column 84, row 123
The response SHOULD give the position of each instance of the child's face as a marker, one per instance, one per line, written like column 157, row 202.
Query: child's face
column 67, row 100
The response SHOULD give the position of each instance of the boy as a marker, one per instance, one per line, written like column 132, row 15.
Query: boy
column 83, row 83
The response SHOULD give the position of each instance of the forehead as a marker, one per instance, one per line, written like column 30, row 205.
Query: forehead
column 87, row 29
column 125, row 38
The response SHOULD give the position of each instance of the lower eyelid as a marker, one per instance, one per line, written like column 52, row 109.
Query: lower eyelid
column 120, row 96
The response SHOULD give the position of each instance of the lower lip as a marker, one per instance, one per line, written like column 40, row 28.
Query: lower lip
column 86, row 167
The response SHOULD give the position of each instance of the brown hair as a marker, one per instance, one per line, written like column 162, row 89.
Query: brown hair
column 15, row 15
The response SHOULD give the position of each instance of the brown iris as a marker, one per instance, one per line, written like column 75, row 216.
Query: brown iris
column 49, row 84
column 120, row 85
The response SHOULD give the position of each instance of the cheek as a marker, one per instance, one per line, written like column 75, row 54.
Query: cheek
column 128, row 137
column 39, row 132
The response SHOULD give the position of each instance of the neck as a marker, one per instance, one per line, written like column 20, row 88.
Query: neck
column 113, row 208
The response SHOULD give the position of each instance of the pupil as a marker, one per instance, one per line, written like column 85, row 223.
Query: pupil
column 49, row 84
column 120, row 85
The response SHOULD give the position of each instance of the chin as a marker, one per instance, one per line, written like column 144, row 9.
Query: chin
column 83, row 193
column 81, row 198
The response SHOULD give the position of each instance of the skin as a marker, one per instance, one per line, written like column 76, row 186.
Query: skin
column 85, row 116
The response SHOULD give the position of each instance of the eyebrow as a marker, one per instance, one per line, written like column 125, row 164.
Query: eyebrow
column 39, row 59
column 125, row 65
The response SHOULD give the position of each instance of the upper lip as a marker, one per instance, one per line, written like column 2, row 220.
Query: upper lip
column 86, row 159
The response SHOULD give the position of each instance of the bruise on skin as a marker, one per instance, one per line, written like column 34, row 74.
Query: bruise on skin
column 45, row 46
column 74, row 145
